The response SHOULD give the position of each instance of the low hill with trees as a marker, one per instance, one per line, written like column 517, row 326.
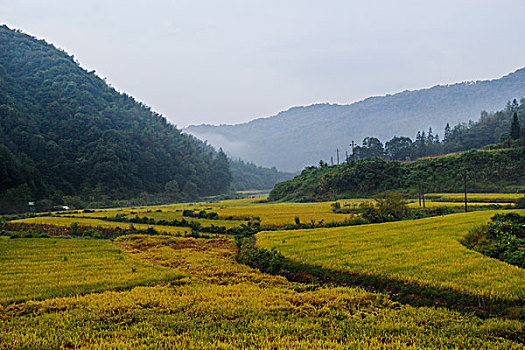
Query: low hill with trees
column 481, row 170
column 503, row 129
column 248, row 176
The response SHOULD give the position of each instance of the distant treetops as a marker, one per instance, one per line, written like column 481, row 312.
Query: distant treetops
column 501, row 129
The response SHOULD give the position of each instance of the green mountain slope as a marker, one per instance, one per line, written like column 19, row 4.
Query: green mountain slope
column 302, row 136
column 65, row 132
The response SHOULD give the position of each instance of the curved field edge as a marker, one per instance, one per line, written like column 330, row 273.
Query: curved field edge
column 41, row 268
column 226, row 305
column 424, row 252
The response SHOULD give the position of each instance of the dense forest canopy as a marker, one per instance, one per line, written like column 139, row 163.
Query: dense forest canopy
column 65, row 133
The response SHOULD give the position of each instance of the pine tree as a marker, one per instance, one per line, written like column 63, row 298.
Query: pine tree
column 447, row 133
column 515, row 127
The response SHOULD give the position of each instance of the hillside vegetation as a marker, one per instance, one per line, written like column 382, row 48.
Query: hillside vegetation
column 485, row 171
column 302, row 136
column 248, row 176
column 64, row 132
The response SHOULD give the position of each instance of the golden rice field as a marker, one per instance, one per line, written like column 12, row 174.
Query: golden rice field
column 269, row 213
column 151, row 212
column 278, row 214
column 33, row 269
column 495, row 197
column 434, row 204
column 425, row 252
column 283, row 213
column 67, row 221
column 219, row 304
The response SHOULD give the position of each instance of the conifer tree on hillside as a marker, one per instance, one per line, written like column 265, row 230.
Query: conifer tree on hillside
column 515, row 127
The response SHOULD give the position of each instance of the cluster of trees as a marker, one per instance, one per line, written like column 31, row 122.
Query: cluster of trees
column 505, row 128
column 66, row 135
column 202, row 214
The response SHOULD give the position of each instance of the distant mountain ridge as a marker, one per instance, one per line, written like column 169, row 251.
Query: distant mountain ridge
column 301, row 136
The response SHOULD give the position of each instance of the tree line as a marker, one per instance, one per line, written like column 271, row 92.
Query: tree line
column 501, row 129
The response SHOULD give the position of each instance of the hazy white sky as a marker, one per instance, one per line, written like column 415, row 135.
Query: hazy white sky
column 232, row 61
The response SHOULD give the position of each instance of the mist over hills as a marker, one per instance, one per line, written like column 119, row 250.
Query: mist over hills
column 301, row 136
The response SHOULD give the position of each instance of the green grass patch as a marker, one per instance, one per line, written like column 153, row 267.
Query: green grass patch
column 41, row 268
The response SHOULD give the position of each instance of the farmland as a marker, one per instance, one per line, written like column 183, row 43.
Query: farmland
column 219, row 303
column 67, row 221
column 233, row 213
column 477, row 197
column 268, row 213
column 46, row 268
column 160, row 291
column 425, row 251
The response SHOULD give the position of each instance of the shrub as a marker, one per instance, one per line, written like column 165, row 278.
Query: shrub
column 502, row 238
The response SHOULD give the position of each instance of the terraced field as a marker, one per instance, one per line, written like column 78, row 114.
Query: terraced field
column 434, row 204
column 424, row 252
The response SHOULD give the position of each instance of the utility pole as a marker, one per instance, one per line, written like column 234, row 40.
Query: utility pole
column 419, row 192
column 465, row 188
column 332, row 160
column 337, row 151
column 423, row 195
column 347, row 156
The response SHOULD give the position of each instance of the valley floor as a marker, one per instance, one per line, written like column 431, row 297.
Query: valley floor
column 216, row 302
column 165, row 292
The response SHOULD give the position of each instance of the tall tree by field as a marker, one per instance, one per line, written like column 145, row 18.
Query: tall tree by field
column 515, row 127
column 371, row 148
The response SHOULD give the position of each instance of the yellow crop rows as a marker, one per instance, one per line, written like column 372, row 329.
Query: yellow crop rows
column 47, row 268
column 425, row 251
column 219, row 304
column 497, row 197
column 67, row 221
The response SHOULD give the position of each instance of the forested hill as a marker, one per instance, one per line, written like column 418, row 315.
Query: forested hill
column 486, row 171
column 302, row 136
column 64, row 132
column 248, row 176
